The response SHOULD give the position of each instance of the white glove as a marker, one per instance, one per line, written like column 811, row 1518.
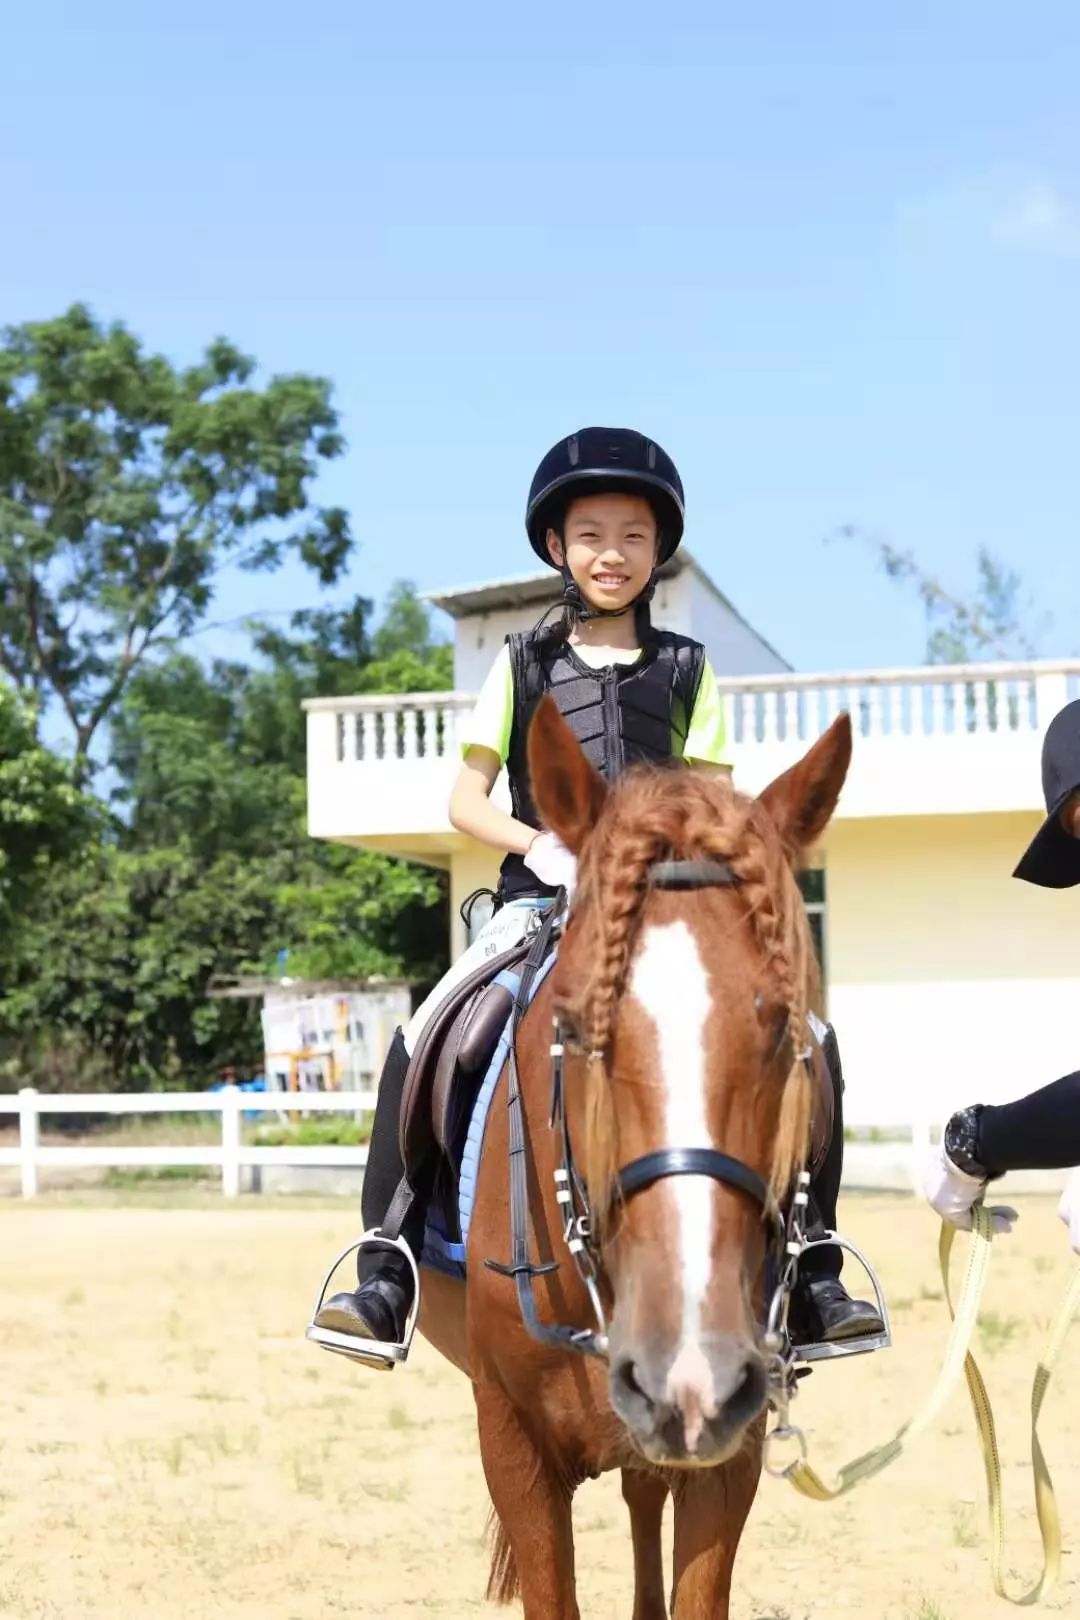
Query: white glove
column 953, row 1193
column 1069, row 1209
column 548, row 857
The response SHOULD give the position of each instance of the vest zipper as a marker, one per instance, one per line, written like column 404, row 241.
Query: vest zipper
column 612, row 727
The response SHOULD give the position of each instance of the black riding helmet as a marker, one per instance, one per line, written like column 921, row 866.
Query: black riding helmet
column 599, row 461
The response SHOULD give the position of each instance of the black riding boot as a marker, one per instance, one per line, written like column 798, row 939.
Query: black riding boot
column 822, row 1310
column 379, row 1308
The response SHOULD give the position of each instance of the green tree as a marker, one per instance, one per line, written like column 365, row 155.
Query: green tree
column 989, row 621
column 107, row 983
column 204, row 869
column 43, row 816
column 126, row 485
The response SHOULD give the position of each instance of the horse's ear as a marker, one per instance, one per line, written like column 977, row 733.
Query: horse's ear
column 567, row 791
column 801, row 802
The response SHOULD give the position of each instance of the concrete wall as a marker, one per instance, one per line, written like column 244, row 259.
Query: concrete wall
column 474, row 868
column 948, row 981
column 734, row 648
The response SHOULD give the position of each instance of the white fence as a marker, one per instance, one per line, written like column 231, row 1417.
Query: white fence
column 892, row 1164
column 230, row 1157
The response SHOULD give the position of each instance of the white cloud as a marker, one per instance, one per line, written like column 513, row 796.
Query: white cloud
column 1038, row 218
column 1028, row 214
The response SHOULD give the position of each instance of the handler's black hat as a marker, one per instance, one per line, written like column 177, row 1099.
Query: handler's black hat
column 1052, row 859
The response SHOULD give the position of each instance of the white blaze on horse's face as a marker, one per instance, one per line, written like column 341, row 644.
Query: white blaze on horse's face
column 671, row 984
column 686, row 1392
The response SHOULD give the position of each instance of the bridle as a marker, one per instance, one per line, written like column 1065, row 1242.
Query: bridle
column 578, row 1219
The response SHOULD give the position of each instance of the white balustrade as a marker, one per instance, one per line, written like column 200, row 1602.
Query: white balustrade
column 933, row 699
column 391, row 742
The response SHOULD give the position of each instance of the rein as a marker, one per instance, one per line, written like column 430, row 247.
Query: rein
column 570, row 1190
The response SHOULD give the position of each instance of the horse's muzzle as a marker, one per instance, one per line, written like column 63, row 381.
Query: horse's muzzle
column 691, row 1410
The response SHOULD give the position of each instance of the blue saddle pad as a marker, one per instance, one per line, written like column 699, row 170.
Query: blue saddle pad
column 442, row 1252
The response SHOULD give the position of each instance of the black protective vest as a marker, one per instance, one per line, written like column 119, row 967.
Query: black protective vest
column 621, row 715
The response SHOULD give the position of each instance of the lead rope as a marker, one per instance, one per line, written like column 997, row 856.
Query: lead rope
column 1045, row 1500
column 958, row 1357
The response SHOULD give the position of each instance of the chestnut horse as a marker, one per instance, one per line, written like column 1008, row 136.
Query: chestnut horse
column 683, row 1011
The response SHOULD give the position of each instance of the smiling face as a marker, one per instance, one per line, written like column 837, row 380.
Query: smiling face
column 609, row 543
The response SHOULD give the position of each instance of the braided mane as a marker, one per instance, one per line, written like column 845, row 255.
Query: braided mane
column 656, row 815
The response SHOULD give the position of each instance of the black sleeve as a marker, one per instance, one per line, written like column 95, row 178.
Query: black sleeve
column 1040, row 1132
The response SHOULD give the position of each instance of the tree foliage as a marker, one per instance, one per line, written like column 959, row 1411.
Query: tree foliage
column 126, row 485
column 43, row 816
column 990, row 621
column 206, row 868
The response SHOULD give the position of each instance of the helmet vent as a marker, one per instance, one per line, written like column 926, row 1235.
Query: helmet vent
column 652, row 458
column 573, row 450
column 615, row 454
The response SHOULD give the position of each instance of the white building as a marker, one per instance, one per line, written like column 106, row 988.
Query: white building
column 947, row 980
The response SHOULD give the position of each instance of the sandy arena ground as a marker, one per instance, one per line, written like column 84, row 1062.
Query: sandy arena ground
column 169, row 1447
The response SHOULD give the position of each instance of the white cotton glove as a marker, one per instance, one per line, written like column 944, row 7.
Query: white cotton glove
column 551, row 861
column 953, row 1193
column 1069, row 1209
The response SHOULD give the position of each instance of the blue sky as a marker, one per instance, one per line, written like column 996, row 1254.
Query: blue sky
column 828, row 256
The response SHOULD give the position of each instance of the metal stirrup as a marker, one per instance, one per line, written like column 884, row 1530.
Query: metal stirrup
column 373, row 1352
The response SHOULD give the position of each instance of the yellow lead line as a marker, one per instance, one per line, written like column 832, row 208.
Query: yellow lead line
column 959, row 1358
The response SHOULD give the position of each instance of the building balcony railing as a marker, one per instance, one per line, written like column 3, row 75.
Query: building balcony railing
column 936, row 738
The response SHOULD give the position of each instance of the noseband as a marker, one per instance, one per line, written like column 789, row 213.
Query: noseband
column 570, row 1191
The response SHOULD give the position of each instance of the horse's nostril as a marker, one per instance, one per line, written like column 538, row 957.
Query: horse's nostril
column 748, row 1394
column 626, row 1376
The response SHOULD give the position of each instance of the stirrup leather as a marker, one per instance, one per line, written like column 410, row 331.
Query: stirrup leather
column 372, row 1352
column 847, row 1347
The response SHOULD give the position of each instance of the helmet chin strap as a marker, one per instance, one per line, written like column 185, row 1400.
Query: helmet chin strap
column 582, row 610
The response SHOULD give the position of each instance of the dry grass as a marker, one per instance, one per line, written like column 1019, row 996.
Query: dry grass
column 170, row 1447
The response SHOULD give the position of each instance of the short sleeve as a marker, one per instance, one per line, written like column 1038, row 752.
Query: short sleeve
column 706, row 740
column 489, row 724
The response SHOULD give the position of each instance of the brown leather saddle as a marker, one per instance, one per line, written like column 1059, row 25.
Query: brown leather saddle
column 450, row 1060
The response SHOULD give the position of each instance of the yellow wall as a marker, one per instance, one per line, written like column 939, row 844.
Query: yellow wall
column 949, row 982
column 474, row 867
column 920, row 898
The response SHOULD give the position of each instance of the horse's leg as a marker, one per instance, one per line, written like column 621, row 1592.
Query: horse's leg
column 533, row 1507
column 645, row 1495
column 711, row 1505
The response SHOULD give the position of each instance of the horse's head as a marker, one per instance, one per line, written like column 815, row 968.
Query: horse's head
column 685, row 1017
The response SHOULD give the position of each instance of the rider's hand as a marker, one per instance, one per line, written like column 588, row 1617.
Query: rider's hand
column 1069, row 1209
column 953, row 1193
column 548, row 857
